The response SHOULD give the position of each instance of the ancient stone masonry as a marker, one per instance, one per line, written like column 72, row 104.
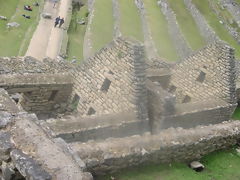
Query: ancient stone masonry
column 112, row 81
column 234, row 8
column 205, row 30
column 116, row 15
column 167, row 146
column 182, row 47
column 212, row 68
column 232, row 31
column 87, row 44
column 114, row 111
column 40, row 85
column 42, row 158
column 151, row 50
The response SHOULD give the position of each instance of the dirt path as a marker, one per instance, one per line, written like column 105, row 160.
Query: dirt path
column 47, row 40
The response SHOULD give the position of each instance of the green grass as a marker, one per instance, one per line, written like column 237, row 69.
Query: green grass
column 102, row 25
column 221, row 165
column 187, row 24
column 76, row 34
column 236, row 114
column 130, row 20
column 213, row 21
column 159, row 31
column 16, row 40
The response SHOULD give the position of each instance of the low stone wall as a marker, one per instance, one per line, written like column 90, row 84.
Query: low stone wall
column 168, row 146
column 116, row 15
column 151, row 50
column 87, row 43
column 205, row 30
column 182, row 47
column 234, row 8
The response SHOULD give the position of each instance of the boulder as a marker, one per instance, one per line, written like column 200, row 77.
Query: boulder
column 3, row 18
column 12, row 24
column 197, row 166
column 47, row 15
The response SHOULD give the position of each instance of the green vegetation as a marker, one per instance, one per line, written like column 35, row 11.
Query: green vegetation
column 76, row 33
column 102, row 25
column 213, row 21
column 159, row 31
column 236, row 114
column 187, row 24
column 16, row 40
column 221, row 165
column 130, row 20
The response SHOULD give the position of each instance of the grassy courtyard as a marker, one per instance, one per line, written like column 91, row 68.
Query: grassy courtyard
column 130, row 20
column 187, row 24
column 16, row 40
column 102, row 25
column 221, row 165
column 159, row 31
column 213, row 21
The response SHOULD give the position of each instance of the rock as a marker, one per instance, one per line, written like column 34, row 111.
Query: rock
column 81, row 22
column 16, row 97
column 12, row 24
column 3, row 18
column 197, row 166
column 5, row 119
column 28, row 167
column 47, row 15
column 7, row 171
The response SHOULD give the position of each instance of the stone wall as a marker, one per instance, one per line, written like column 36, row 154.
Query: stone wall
column 40, row 84
column 168, row 146
column 87, row 43
column 116, row 15
column 182, row 47
column 31, row 151
column 82, row 129
column 112, row 81
column 206, row 31
column 209, row 73
column 151, row 50
column 234, row 8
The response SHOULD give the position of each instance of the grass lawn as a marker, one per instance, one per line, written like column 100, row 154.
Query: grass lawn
column 187, row 24
column 16, row 40
column 221, row 165
column 159, row 31
column 130, row 20
column 213, row 21
column 102, row 25
column 76, row 34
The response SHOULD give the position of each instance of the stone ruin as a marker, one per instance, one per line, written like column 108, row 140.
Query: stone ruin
column 65, row 121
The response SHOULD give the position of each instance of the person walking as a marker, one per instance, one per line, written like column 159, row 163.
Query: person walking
column 57, row 20
column 61, row 21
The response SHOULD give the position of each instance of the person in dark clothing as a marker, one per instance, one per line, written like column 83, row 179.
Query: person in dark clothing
column 27, row 8
column 57, row 20
column 28, row 17
column 61, row 22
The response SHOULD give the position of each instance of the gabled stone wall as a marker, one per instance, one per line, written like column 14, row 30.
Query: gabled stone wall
column 112, row 81
column 209, row 73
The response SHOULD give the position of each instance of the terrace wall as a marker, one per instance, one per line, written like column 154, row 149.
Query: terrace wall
column 172, row 145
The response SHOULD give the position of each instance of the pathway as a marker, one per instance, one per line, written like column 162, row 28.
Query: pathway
column 47, row 40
